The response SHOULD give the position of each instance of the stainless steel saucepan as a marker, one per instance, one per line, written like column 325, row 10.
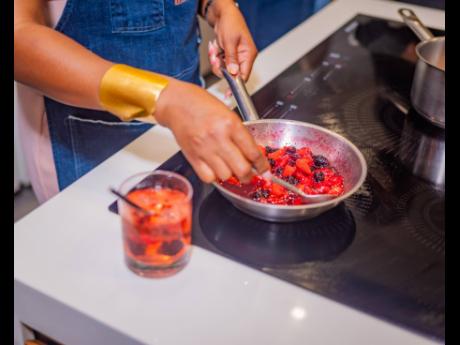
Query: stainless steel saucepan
column 428, row 85
column 276, row 133
column 421, row 147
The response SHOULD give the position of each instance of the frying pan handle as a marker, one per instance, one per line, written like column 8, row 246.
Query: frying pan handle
column 244, row 101
column 413, row 22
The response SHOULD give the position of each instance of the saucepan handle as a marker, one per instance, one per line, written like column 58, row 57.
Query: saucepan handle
column 413, row 22
column 243, row 99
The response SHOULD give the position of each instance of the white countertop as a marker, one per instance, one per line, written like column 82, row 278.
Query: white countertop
column 72, row 284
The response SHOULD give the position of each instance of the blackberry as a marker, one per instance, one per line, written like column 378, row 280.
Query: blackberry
column 291, row 162
column 293, row 180
column 171, row 247
column 269, row 149
column 279, row 171
column 272, row 162
column 260, row 193
column 318, row 176
column 256, row 195
column 320, row 161
column 291, row 149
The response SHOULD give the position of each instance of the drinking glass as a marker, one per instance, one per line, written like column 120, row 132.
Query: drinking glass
column 157, row 239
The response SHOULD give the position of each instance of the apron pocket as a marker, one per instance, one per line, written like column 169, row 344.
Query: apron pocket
column 136, row 16
column 93, row 141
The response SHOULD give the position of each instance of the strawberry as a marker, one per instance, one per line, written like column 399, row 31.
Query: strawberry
column 283, row 161
column 308, row 189
column 303, row 165
column 277, row 154
column 277, row 189
column 233, row 180
column 304, row 152
column 289, row 170
column 299, row 175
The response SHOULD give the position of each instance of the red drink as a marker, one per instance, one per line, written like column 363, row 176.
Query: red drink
column 157, row 241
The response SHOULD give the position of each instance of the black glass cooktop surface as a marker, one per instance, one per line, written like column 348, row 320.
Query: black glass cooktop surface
column 382, row 250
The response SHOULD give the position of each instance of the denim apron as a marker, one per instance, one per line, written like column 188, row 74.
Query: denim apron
column 156, row 35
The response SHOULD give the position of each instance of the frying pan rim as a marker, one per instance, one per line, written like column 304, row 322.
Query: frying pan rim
column 337, row 200
column 422, row 44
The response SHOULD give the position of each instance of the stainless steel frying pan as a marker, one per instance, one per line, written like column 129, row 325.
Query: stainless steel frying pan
column 276, row 133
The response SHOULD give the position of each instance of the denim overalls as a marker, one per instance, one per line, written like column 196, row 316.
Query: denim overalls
column 157, row 35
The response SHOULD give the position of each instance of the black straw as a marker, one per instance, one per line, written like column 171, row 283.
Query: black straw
column 129, row 202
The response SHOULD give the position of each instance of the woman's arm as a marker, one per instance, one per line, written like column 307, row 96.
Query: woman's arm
column 52, row 62
column 212, row 138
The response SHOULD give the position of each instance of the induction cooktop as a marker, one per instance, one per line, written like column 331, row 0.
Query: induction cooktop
column 382, row 250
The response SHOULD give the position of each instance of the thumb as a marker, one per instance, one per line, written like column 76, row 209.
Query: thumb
column 231, row 57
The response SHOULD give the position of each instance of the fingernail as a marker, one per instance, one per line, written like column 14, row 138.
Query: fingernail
column 212, row 52
column 233, row 68
column 214, row 61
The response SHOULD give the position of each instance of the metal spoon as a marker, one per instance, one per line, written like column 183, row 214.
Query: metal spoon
column 306, row 197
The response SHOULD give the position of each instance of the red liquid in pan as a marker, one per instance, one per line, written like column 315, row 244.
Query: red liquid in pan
column 310, row 173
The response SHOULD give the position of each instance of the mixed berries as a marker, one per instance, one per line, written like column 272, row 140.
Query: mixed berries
column 298, row 166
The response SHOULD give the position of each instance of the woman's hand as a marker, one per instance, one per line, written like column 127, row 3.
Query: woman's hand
column 212, row 138
column 233, row 37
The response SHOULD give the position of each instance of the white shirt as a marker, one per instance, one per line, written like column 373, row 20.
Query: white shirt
column 33, row 130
